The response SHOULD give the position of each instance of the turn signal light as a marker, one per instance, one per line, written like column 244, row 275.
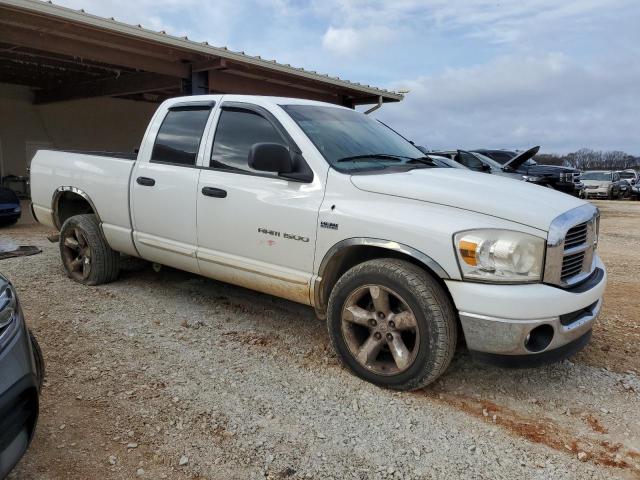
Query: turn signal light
column 468, row 252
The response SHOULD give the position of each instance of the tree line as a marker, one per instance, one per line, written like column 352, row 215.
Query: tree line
column 587, row 159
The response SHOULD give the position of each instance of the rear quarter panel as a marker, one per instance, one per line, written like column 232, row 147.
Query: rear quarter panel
column 105, row 180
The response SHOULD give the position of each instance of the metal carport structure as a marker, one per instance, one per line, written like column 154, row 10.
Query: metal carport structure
column 57, row 64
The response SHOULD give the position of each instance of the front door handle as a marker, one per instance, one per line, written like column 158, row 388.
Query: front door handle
column 145, row 181
column 214, row 192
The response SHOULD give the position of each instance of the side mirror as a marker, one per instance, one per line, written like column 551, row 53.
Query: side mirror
column 270, row 157
column 485, row 168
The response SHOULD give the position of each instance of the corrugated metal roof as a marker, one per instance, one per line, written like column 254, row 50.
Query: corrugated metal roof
column 184, row 43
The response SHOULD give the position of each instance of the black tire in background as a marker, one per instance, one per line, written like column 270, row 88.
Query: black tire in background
column 102, row 265
column 37, row 355
column 430, row 305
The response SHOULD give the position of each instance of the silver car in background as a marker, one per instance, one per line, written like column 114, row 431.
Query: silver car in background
column 601, row 184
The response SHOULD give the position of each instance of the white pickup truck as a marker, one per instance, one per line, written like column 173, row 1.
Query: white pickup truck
column 325, row 206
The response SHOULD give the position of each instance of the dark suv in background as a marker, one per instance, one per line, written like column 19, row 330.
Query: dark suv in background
column 564, row 179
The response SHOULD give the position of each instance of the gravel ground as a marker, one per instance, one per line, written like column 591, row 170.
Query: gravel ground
column 170, row 375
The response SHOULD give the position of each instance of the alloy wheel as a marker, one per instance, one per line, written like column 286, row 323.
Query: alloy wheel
column 380, row 330
column 76, row 254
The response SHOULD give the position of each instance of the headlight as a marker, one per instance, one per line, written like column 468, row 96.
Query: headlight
column 7, row 305
column 531, row 178
column 493, row 255
column 16, row 210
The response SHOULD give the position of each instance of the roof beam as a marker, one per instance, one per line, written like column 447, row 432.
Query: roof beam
column 224, row 82
column 125, row 85
column 50, row 42
column 212, row 64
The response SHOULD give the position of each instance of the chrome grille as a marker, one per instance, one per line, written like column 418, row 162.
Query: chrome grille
column 576, row 236
column 571, row 246
column 571, row 265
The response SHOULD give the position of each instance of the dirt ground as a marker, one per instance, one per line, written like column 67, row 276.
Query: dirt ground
column 170, row 375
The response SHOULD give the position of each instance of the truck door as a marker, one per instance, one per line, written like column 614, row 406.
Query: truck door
column 255, row 229
column 164, row 187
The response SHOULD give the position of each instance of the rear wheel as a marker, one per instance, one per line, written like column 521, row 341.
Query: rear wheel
column 392, row 324
column 86, row 256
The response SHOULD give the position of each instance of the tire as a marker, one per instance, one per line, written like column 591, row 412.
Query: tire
column 91, row 261
column 37, row 355
column 412, row 292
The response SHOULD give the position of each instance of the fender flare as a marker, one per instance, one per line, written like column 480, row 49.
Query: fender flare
column 56, row 197
column 426, row 260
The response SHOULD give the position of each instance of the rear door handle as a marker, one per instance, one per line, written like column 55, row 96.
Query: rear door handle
column 146, row 181
column 214, row 192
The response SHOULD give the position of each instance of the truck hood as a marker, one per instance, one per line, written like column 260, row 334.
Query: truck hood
column 509, row 199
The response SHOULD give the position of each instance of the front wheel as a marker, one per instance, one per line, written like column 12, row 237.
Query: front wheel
column 392, row 324
column 86, row 256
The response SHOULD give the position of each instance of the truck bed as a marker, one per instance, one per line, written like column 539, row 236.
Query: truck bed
column 99, row 153
column 102, row 177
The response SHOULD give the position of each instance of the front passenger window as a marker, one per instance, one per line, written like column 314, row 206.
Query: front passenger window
column 236, row 133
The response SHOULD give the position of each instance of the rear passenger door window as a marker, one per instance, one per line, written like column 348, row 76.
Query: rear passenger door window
column 238, row 130
column 179, row 136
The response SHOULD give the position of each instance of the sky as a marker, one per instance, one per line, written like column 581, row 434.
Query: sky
column 563, row 74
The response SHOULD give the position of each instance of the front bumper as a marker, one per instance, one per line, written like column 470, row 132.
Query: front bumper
column 19, row 402
column 527, row 320
column 596, row 192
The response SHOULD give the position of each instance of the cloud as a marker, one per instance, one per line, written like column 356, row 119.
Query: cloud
column 512, row 101
column 351, row 41
column 481, row 72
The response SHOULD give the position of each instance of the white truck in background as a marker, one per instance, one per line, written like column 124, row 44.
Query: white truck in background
column 325, row 206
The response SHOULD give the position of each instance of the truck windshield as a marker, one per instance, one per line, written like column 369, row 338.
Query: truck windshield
column 601, row 176
column 350, row 140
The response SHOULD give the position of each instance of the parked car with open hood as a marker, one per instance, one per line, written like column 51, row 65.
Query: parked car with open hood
column 565, row 179
column 602, row 184
column 10, row 209
column 21, row 375
column 323, row 205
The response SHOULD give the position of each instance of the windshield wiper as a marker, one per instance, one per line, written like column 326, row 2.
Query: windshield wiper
column 425, row 160
column 381, row 156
